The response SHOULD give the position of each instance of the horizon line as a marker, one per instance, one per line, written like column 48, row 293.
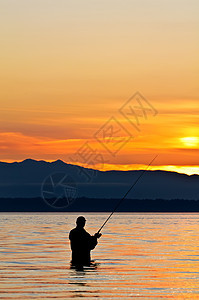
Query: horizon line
column 180, row 169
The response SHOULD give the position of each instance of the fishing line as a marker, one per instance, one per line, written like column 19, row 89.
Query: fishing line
column 118, row 204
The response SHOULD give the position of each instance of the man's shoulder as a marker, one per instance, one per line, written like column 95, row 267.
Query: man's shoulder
column 74, row 230
column 77, row 231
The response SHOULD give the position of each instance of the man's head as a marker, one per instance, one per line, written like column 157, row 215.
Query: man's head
column 81, row 222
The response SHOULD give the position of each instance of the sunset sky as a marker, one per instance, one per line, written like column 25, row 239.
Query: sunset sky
column 68, row 69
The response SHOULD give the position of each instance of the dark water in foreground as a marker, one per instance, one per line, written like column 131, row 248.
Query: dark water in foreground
column 140, row 256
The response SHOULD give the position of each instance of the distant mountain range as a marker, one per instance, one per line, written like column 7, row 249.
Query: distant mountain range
column 31, row 179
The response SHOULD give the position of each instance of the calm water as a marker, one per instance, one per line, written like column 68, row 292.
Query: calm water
column 140, row 256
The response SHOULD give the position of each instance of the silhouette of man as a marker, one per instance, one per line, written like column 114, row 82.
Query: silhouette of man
column 82, row 243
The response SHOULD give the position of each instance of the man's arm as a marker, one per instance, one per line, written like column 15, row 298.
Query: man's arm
column 93, row 240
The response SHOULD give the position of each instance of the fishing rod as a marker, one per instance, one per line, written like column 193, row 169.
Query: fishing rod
column 118, row 204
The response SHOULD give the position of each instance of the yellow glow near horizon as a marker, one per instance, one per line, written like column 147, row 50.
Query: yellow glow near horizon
column 190, row 141
column 188, row 170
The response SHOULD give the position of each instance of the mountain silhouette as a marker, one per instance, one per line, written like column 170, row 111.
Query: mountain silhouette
column 26, row 179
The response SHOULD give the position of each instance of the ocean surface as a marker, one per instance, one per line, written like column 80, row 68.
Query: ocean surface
column 139, row 256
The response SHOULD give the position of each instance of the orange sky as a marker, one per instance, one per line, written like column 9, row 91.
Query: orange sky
column 68, row 67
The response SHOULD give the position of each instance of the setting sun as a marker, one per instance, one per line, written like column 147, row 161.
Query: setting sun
column 190, row 141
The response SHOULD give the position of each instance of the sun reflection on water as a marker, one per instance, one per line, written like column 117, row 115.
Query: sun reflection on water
column 147, row 256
